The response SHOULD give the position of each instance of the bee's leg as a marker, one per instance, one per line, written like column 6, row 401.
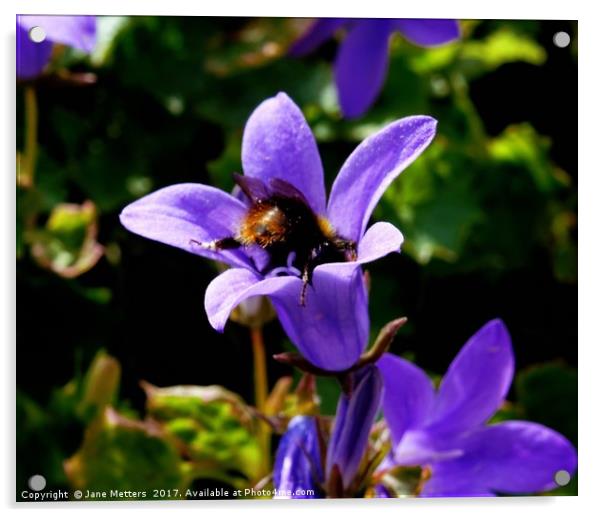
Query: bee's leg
column 306, row 278
column 228, row 243
column 346, row 246
column 307, row 274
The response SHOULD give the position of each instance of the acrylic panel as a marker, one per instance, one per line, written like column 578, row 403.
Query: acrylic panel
column 270, row 258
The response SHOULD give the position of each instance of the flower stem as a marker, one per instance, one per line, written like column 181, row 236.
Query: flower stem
column 475, row 124
column 26, row 175
column 261, row 391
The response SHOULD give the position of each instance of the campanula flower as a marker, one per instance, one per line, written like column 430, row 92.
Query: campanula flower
column 446, row 431
column 76, row 31
column 300, row 467
column 298, row 472
column 363, row 57
column 353, row 421
column 331, row 328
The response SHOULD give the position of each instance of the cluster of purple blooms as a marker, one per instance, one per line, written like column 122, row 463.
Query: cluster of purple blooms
column 443, row 432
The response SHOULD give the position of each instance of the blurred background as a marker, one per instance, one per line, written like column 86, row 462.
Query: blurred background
column 489, row 215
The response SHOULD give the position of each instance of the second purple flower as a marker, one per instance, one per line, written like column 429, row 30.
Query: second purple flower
column 362, row 60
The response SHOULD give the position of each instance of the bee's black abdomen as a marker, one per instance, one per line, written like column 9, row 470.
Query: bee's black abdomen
column 281, row 221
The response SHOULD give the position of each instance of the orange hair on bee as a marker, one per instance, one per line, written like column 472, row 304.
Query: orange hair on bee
column 265, row 224
column 325, row 227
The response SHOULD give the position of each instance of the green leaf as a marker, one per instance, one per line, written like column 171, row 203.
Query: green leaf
column 435, row 205
column 503, row 46
column 38, row 446
column 100, row 385
column 67, row 245
column 475, row 57
column 216, row 428
column 107, row 28
column 520, row 146
column 119, row 453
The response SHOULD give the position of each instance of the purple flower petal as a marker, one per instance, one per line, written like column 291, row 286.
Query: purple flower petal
column 379, row 240
column 476, row 382
column 361, row 65
column 420, row 447
column 354, row 418
column 76, row 31
column 429, row 33
column 174, row 215
column 332, row 330
column 320, row 31
column 371, row 168
column 512, row 457
column 278, row 143
column 336, row 310
column 408, row 395
column 297, row 467
column 32, row 57
column 235, row 285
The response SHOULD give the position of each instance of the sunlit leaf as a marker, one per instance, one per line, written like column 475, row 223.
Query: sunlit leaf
column 216, row 428
column 119, row 453
column 521, row 146
column 67, row 245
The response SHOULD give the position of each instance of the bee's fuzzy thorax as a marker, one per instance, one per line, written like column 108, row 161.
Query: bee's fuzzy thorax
column 265, row 224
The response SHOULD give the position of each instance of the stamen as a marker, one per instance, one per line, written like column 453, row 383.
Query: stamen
column 290, row 260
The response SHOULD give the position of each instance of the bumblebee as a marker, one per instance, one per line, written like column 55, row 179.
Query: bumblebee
column 280, row 220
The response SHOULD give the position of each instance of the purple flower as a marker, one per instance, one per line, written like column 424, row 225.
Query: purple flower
column 298, row 470
column 354, row 418
column 76, row 31
column 362, row 61
column 447, row 432
column 331, row 329
column 298, row 466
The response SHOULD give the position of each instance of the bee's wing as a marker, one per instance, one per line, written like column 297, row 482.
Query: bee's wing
column 253, row 188
column 285, row 189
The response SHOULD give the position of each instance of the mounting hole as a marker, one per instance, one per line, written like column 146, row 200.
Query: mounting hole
column 37, row 482
column 561, row 39
column 562, row 478
column 37, row 34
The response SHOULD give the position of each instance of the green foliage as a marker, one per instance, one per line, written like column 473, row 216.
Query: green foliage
column 479, row 56
column 119, row 453
column 46, row 435
column 216, row 428
column 190, row 432
column 403, row 481
column 67, row 245
column 546, row 394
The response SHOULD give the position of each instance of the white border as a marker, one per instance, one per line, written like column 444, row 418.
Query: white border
column 309, row 8
column 590, row 256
